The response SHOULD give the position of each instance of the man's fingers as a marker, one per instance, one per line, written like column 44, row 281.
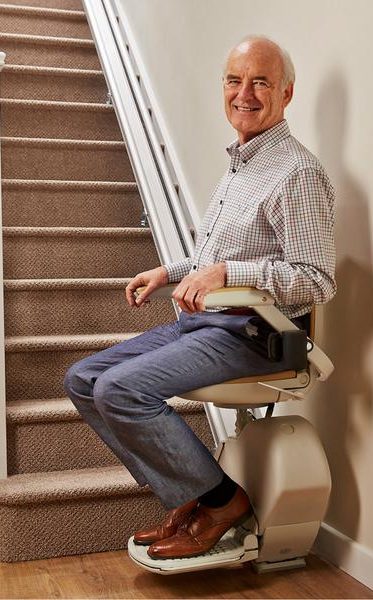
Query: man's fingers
column 199, row 301
column 131, row 288
column 143, row 297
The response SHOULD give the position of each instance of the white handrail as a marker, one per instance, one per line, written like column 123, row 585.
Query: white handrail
column 3, row 446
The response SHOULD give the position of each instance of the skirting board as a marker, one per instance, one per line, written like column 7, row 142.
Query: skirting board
column 345, row 553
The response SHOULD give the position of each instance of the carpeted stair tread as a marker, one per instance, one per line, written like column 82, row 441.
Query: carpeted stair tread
column 31, row 488
column 77, row 306
column 9, row 7
column 52, row 119
column 53, row 83
column 77, row 252
column 61, row 159
column 62, row 409
column 72, row 343
column 54, row 202
column 59, row 120
column 48, row 51
column 46, row 22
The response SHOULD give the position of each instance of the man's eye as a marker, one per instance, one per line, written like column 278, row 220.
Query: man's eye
column 260, row 83
column 232, row 83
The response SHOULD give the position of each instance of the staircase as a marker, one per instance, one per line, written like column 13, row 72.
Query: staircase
column 71, row 214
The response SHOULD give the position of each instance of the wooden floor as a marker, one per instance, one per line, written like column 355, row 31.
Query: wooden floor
column 113, row 575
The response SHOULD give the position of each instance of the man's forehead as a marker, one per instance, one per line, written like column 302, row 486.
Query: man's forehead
column 255, row 53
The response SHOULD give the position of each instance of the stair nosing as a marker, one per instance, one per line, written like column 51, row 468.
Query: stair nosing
column 57, row 105
column 71, row 183
column 102, row 283
column 77, row 232
column 51, row 410
column 51, row 486
column 44, row 39
column 99, row 144
column 44, row 70
column 78, row 15
column 47, row 343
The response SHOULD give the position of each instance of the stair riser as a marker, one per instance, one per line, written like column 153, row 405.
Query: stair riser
column 62, row 4
column 50, row 207
column 79, row 163
column 36, row 531
column 59, row 446
column 48, row 257
column 82, row 311
column 32, row 122
column 49, row 55
column 53, row 87
column 43, row 25
column 32, row 375
column 56, row 446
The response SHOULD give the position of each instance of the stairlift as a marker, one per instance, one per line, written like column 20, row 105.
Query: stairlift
column 279, row 461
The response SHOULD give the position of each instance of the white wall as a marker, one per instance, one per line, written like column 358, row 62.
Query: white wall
column 183, row 44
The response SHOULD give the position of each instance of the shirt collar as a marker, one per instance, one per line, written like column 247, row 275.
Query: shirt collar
column 265, row 140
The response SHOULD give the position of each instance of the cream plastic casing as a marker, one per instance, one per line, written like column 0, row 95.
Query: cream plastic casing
column 282, row 465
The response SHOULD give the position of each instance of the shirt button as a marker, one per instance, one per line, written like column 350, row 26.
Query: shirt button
column 221, row 202
column 234, row 170
column 194, row 267
column 244, row 161
column 207, row 234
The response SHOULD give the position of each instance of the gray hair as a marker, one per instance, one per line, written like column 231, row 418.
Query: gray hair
column 288, row 75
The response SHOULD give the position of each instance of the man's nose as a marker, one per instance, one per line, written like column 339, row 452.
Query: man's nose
column 246, row 91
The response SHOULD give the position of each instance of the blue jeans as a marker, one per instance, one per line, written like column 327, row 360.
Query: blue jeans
column 121, row 393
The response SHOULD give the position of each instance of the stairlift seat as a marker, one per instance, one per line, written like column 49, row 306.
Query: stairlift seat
column 289, row 502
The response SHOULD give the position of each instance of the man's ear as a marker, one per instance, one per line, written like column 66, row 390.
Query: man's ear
column 288, row 94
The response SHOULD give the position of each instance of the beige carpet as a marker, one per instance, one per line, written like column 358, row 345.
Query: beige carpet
column 72, row 239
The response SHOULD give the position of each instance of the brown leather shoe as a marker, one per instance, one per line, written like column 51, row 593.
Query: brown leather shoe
column 169, row 527
column 204, row 528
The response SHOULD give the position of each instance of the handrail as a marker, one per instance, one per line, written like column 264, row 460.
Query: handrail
column 167, row 221
column 3, row 445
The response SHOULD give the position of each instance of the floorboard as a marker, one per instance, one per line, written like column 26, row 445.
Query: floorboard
column 113, row 575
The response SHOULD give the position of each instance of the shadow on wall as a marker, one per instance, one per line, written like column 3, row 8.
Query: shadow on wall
column 344, row 405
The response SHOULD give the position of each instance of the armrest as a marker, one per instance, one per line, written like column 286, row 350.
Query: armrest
column 264, row 306
column 233, row 296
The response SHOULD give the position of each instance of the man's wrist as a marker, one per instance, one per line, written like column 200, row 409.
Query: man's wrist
column 164, row 272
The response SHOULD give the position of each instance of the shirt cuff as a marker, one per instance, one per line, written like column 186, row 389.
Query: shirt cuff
column 176, row 271
column 241, row 273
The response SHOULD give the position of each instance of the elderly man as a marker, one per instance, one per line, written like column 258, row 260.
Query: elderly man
column 269, row 225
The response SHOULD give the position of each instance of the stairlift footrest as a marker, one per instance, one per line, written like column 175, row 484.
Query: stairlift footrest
column 235, row 547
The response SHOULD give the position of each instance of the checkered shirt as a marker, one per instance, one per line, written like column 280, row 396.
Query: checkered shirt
column 271, row 221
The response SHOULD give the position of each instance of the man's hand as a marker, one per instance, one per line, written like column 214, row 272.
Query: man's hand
column 191, row 291
column 152, row 280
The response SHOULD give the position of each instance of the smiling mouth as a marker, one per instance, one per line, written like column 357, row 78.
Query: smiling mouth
column 246, row 109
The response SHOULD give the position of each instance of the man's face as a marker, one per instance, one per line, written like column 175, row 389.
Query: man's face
column 254, row 94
